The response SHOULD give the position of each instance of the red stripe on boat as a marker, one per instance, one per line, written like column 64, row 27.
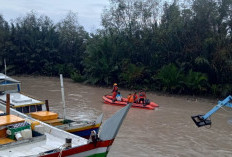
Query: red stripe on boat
column 81, row 149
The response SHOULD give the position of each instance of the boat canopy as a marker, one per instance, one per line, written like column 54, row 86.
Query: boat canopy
column 6, row 80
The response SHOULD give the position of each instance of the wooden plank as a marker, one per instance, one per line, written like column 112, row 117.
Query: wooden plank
column 5, row 140
column 44, row 115
column 10, row 119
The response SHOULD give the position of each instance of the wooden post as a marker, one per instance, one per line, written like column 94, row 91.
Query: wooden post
column 47, row 106
column 7, row 104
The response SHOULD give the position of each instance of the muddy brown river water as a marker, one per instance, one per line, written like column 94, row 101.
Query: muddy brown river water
column 167, row 131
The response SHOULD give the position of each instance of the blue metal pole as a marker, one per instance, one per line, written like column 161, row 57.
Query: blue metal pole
column 208, row 114
column 225, row 102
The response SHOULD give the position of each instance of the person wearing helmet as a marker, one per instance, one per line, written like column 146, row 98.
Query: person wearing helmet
column 115, row 88
column 114, row 91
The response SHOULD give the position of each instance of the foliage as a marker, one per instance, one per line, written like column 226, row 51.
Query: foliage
column 222, row 90
column 36, row 45
column 132, row 75
column 99, row 66
column 196, row 82
column 77, row 77
column 179, row 47
column 170, row 78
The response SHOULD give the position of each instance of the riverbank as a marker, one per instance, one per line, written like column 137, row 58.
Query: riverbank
column 206, row 98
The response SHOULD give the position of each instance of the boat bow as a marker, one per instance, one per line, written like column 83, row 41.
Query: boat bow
column 111, row 126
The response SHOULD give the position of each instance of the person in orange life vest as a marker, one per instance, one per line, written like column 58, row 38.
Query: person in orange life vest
column 130, row 98
column 135, row 97
column 142, row 96
column 114, row 91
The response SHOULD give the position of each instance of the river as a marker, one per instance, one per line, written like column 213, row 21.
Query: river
column 167, row 131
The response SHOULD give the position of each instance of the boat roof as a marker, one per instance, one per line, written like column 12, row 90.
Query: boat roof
column 20, row 100
column 53, row 138
column 6, row 80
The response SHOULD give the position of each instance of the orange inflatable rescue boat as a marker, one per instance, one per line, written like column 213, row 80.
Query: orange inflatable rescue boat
column 108, row 100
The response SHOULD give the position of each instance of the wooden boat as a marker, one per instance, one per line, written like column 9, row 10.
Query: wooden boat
column 108, row 100
column 40, row 110
column 21, row 135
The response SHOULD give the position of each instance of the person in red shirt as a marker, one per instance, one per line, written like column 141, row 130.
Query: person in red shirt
column 135, row 97
column 114, row 91
column 115, row 88
column 142, row 97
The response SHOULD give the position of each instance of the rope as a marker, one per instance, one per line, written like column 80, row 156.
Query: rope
column 61, row 150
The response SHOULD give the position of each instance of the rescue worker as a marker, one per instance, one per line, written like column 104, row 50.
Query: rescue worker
column 119, row 97
column 135, row 97
column 142, row 97
column 130, row 98
column 115, row 88
column 114, row 91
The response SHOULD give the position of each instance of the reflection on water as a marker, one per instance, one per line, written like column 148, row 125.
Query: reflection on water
column 164, row 132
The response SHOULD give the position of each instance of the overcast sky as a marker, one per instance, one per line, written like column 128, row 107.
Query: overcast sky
column 89, row 11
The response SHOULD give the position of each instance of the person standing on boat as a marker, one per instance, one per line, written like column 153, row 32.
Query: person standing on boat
column 114, row 91
column 135, row 97
column 142, row 96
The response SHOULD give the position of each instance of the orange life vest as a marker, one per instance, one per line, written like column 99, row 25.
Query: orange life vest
column 130, row 98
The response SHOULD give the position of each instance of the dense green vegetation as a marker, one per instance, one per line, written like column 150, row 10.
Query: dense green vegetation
column 177, row 48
